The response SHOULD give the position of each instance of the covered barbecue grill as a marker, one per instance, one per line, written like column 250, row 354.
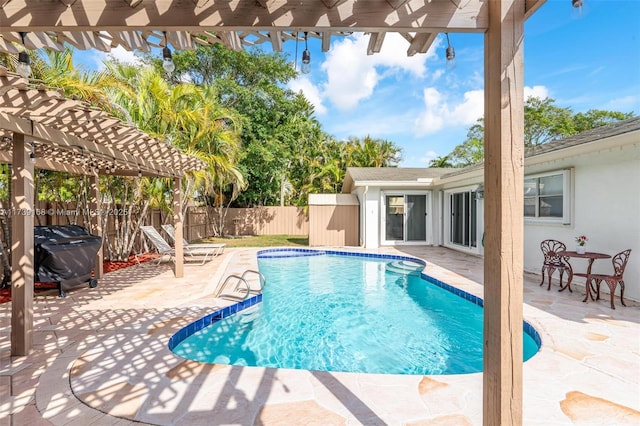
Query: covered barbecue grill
column 66, row 255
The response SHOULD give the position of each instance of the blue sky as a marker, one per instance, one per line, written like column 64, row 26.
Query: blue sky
column 584, row 60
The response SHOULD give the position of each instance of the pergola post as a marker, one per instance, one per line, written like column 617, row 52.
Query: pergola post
column 96, row 221
column 503, row 215
column 177, row 224
column 22, row 249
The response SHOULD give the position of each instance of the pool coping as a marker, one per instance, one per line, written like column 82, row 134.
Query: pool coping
column 580, row 376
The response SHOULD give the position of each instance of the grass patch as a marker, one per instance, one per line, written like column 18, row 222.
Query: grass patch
column 261, row 241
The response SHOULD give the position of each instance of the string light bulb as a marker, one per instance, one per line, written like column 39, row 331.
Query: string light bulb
column 167, row 58
column 306, row 57
column 450, row 54
column 24, row 61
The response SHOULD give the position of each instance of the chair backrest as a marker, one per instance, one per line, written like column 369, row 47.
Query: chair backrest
column 156, row 239
column 550, row 249
column 171, row 232
column 620, row 262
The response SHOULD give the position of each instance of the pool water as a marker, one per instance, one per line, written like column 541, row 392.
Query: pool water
column 347, row 313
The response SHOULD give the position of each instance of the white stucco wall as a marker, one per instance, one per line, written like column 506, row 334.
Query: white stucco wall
column 604, row 204
column 605, row 208
column 369, row 198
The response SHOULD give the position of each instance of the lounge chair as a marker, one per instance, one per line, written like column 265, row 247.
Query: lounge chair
column 192, row 254
column 172, row 234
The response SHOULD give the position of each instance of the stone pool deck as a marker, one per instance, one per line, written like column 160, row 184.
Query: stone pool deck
column 100, row 357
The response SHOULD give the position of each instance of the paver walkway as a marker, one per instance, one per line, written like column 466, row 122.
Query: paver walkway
column 100, row 357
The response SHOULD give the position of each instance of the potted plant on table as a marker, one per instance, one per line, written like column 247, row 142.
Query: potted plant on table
column 581, row 246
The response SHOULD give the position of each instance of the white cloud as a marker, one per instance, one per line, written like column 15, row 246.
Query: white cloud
column 623, row 104
column 536, row 92
column 352, row 75
column 439, row 113
column 310, row 91
column 119, row 53
column 441, row 110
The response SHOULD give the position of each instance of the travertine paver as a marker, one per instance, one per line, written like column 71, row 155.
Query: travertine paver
column 100, row 357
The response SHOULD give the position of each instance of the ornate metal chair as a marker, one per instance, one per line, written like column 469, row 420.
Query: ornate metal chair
column 619, row 264
column 553, row 261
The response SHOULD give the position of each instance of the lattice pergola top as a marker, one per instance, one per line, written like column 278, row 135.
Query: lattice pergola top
column 105, row 24
column 70, row 135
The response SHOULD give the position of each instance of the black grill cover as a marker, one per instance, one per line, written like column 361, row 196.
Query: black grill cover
column 65, row 254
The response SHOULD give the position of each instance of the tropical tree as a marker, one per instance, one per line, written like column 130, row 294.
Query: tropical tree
column 190, row 117
column 441, row 162
column 277, row 124
column 543, row 122
column 369, row 152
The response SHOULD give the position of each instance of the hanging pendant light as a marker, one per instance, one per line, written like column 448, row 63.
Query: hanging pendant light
column 451, row 54
column 306, row 57
column 24, row 61
column 167, row 59
column 295, row 57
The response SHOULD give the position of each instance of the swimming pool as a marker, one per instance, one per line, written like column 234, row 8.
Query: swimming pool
column 337, row 311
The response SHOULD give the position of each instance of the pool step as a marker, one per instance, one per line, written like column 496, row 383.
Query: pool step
column 405, row 267
column 249, row 314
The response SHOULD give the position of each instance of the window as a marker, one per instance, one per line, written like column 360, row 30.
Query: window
column 546, row 196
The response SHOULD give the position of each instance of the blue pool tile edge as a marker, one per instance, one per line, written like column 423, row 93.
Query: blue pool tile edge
column 213, row 317
column 528, row 328
column 297, row 252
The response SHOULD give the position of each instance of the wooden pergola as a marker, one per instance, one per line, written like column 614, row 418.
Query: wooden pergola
column 139, row 24
column 39, row 128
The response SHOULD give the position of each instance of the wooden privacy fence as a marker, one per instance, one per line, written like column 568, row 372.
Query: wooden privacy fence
column 198, row 221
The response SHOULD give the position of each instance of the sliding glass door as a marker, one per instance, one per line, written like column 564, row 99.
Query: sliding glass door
column 463, row 225
column 405, row 218
column 416, row 217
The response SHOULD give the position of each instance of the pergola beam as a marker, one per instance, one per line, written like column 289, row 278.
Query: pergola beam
column 96, row 221
column 231, row 15
column 47, row 135
column 504, row 213
column 375, row 43
column 22, row 248
column 531, row 6
column 421, row 43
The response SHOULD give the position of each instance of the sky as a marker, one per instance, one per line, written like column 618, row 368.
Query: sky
column 583, row 59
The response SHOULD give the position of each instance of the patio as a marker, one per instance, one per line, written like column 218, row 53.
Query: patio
column 100, row 356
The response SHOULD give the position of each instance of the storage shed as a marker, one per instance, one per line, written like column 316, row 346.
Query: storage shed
column 333, row 220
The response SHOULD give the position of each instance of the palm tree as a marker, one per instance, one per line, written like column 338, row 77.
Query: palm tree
column 441, row 162
column 189, row 117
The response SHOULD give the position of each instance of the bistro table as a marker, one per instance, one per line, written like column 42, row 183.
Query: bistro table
column 591, row 257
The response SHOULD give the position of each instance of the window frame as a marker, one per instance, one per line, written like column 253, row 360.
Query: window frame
column 566, row 198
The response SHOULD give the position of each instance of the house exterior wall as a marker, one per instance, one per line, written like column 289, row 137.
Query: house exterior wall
column 603, row 199
column 605, row 207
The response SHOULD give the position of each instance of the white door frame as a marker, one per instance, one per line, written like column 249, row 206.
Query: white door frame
column 383, row 217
